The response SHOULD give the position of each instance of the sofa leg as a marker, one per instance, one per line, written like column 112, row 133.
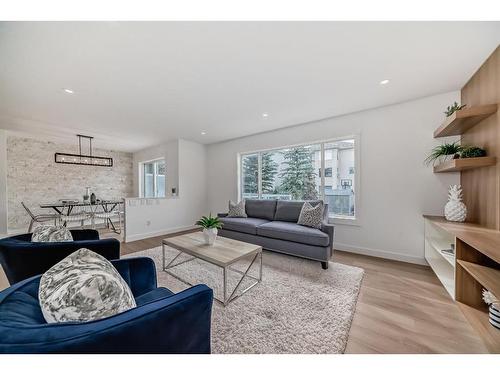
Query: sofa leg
column 324, row 265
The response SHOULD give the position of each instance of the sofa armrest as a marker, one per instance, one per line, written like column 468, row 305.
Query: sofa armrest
column 222, row 215
column 329, row 229
column 139, row 273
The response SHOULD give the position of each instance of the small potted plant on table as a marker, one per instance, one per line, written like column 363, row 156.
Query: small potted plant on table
column 210, row 227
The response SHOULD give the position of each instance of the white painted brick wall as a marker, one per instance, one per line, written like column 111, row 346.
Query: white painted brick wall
column 33, row 177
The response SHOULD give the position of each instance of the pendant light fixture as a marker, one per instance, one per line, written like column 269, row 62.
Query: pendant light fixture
column 81, row 159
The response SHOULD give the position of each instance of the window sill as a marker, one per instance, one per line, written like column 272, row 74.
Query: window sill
column 344, row 221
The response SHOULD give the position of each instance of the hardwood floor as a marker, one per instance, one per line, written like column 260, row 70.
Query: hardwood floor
column 402, row 308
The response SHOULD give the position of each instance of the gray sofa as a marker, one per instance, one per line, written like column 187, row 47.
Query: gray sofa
column 272, row 224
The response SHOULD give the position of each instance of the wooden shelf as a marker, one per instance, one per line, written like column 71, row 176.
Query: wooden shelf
column 486, row 276
column 461, row 121
column 478, row 319
column 456, row 165
column 486, row 240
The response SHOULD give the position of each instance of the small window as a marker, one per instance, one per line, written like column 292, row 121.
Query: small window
column 153, row 179
column 328, row 172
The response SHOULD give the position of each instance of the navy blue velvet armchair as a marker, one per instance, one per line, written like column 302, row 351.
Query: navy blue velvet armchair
column 21, row 258
column 162, row 322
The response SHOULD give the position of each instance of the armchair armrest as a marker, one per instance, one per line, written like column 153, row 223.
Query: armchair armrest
column 139, row 273
column 329, row 229
column 84, row 234
column 221, row 214
column 21, row 260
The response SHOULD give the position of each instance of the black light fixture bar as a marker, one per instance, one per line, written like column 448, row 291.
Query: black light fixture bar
column 81, row 159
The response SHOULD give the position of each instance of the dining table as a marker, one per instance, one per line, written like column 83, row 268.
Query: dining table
column 65, row 207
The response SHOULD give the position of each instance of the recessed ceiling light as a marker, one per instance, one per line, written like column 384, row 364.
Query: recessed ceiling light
column 384, row 82
column 265, row 114
column 68, row 91
column 203, row 133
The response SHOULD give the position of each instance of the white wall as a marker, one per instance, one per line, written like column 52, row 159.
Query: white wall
column 396, row 188
column 3, row 182
column 186, row 170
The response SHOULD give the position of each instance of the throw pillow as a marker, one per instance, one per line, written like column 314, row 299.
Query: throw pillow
column 50, row 233
column 237, row 209
column 83, row 287
column 311, row 216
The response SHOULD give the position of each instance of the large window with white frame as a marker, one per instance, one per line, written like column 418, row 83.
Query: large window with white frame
column 153, row 179
column 322, row 170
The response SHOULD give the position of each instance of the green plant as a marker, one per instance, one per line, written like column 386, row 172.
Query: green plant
column 453, row 108
column 298, row 176
column 472, row 152
column 441, row 150
column 209, row 222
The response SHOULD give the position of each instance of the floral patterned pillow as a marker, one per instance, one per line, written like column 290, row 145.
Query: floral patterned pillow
column 83, row 287
column 50, row 233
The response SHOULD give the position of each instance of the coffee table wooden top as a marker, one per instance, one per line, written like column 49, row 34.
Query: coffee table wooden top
column 224, row 252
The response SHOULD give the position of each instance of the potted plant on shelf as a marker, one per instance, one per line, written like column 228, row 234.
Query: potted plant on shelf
column 210, row 227
column 472, row 152
column 451, row 109
column 443, row 153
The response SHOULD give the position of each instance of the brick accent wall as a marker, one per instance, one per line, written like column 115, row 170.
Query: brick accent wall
column 33, row 177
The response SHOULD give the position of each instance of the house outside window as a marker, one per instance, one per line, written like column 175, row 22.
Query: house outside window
column 153, row 179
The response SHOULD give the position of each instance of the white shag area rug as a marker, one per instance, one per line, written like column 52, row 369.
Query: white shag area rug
column 298, row 307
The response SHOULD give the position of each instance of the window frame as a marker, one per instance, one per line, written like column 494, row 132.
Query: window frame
column 142, row 172
column 334, row 219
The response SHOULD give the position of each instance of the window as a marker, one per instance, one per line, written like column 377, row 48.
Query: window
column 153, row 179
column 294, row 173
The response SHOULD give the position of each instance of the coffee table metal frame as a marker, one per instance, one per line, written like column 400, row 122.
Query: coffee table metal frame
column 226, row 299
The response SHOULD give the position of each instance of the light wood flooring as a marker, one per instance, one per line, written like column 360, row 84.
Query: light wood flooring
column 402, row 308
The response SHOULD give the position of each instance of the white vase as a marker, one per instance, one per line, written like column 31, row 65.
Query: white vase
column 210, row 235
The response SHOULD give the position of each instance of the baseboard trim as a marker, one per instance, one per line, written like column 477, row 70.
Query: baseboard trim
column 380, row 253
column 142, row 236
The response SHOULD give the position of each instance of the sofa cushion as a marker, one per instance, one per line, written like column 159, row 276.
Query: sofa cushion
column 311, row 216
column 51, row 233
column 153, row 295
column 290, row 210
column 237, row 209
column 283, row 230
column 261, row 208
column 239, row 224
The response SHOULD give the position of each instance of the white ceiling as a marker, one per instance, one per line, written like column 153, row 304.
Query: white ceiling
column 138, row 84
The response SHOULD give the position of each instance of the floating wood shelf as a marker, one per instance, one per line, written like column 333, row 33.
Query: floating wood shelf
column 479, row 321
column 486, row 276
column 456, row 165
column 461, row 121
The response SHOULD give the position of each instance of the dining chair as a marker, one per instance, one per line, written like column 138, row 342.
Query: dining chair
column 78, row 216
column 40, row 218
column 109, row 215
